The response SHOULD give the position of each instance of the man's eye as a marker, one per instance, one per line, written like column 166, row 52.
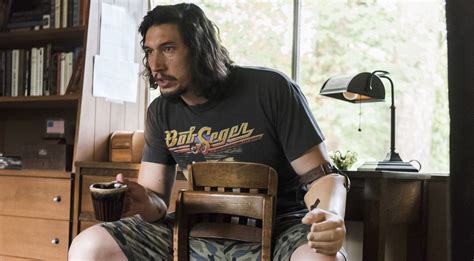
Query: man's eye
column 168, row 49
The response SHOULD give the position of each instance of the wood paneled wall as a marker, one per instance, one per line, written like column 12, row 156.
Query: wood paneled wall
column 98, row 117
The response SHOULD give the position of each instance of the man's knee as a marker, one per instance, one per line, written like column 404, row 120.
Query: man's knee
column 94, row 243
column 304, row 252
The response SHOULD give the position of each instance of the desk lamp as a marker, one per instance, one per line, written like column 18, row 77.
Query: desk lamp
column 362, row 88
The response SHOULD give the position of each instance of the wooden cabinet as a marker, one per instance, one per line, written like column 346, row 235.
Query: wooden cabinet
column 382, row 199
column 89, row 172
column 35, row 214
column 36, row 205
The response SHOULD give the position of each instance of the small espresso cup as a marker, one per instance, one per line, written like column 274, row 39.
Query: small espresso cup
column 107, row 199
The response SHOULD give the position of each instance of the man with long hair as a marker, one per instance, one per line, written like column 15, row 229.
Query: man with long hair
column 206, row 104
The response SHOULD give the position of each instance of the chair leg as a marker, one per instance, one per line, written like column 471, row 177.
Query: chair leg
column 182, row 253
column 180, row 233
column 267, row 229
column 266, row 253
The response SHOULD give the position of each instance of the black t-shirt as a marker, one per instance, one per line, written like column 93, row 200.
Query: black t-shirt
column 264, row 119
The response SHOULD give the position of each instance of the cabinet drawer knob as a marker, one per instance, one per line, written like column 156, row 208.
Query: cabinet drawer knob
column 55, row 241
column 57, row 199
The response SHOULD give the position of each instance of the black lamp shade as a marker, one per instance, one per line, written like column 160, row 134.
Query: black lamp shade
column 356, row 89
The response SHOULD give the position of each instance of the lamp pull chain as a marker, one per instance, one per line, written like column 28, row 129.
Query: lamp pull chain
column 360, row 116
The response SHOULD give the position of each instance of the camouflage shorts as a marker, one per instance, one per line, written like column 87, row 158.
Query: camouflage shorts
column 140, row 240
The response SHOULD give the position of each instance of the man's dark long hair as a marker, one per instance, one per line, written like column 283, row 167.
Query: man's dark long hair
column 210, row 62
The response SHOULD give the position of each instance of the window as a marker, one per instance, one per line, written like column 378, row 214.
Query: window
column 405, row 37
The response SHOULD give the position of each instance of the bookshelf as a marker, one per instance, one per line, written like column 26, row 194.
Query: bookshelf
column 26, row 113
column 67, row 37
column 54, row 101
column 40, row 215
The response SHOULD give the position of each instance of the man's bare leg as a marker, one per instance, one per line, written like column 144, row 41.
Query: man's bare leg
column 95, row 243
column 305, row 253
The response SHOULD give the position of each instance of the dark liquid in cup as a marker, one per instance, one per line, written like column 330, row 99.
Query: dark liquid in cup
column 107, row 200
column 111, row 185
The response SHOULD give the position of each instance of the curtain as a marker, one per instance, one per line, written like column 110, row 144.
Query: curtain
column 460, row 26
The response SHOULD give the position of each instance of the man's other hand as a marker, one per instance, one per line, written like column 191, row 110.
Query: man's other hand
column 327, row 231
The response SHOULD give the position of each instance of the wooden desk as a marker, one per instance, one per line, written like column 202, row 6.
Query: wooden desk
column 382, row 198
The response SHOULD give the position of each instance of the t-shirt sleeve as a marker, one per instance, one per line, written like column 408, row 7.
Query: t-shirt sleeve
column 155, row 149
column 295, row 124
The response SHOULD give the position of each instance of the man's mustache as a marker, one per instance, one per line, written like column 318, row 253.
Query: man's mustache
column 163, row 77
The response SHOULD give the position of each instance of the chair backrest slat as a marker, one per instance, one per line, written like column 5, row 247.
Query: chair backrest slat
column 223, row 203
column 257, row 178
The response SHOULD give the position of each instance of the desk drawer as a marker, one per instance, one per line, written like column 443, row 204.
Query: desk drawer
column 47, row 198
column 34, row 238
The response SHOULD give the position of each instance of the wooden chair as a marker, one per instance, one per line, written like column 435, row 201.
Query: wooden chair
column 228, row 200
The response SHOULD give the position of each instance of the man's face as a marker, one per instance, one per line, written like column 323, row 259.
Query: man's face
column 168, row 59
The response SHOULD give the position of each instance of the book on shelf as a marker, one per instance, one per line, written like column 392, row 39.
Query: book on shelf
column 70, row 12
column 83, row 6
column 73, row 7
column 52, row 14
column 65, row 70
column 14, row 65
column 2, row 72
column 76, row 8
column 5, row 7
column 25, row 24
column 64, row 13
column 47, row 70
column 27, row 73
column 57, row 13
column 33, row 71
column 35, row 15
column 8, row 73
column 18, row 72
column 75, row 81
column 21, row 72
column 29, row 14
column 53, row 74
column 40, row 75
column 68, row 71
column 62, row 73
